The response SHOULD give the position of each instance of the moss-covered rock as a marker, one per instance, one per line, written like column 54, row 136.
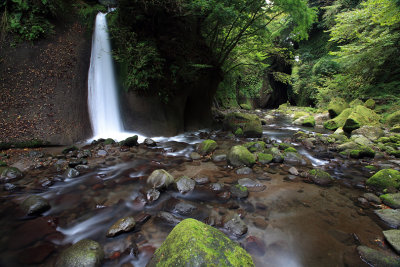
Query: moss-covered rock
column 130, row 141
column 10, row 173
column 239, row 132
column 362, row 152
column 258, row 146
column 392, row 200
column 393, row 118
column 387, row 178
column 355, row 103
column 193, row 243
column 370, row 103
column 378, row 258
column 360, row 116
column 283, row 146
column 321, row 177
column 395, row 129
column 69, row 149
column 34, row 205
column 371, row 132
column 338, row 121
column 347, row 146
column 250, row 124
column 240, row 156
column 290, row 149
column 336, row 106
column 264, row 158
column 309, row 121
column 109, row 141
column 207, row 147
column 246, row 106
column 395, row 153
column 86, row 253
column 300, row 114
column 276, row 154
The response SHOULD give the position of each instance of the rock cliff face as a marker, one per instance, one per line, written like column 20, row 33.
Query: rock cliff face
column 43, row 88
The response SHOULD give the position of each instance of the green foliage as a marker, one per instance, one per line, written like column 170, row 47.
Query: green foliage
column 30, row 19
column 87, row 13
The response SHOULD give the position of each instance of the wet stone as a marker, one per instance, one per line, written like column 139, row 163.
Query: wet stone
column 293, row 171
column 260, row 223
column 102, row 153
column 123, row 225
column 201, row 180
column 142, row 218
column 10, row 173
column 219, row 158
column 160, row 179
column 185, row 184
column 86, row 253
column 255, row 246
column 239, row 191
column 46, row 182
column 9, row 187
column 149, row 142
column 117, row 248
column 251, row 185
column 377, row 258
column 195, row 156
column 216, row 187
column 390, row 216
column 236, row 226
column 372, row 198
column 152, row 194
column 168, row 218
column 393, row 237
column 184, row 209
column 244, row 171
column 72, row 173
column 34, row 205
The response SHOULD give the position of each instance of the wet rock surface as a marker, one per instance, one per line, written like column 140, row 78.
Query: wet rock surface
column 35, row 205
column 121, row 226
column 83, row 253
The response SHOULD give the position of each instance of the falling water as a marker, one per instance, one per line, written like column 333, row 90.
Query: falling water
column 103, row 101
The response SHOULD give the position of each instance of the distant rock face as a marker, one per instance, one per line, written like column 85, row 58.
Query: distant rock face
column 86, row 253
column 193, row 243
column 250, row 124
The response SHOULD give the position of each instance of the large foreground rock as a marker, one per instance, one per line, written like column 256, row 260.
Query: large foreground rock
column 390, row 217
column 86, row 253
column 338, row 121
column 393, row 237
column 240, row 156
column 360, row 116
column 376, row 258
column 193, row 243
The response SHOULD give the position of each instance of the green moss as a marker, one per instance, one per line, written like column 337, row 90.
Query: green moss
column 383, row 140
column 299, row 114
column 370, row 103
column 3, row 164
column 245, row 106
column 395, row 153
column 338, row 121
column 283, row 146
column 355, row 103
column 258, row 146
column 207, row 147
column 239, row 132
column 395, row 138
column 130, row 141
column 109, row 141
column 392, row 200
column 24, row 144
column 337, row 106
column 309, row 121
column 387, row 178
column 290, row 149
column 355, row 154
column 241, row 188
column 393, row 118
column 264, row 158
column 395, row 129
column 193, row 243
column 371, row 168
column 360, row 116
column 239, row 156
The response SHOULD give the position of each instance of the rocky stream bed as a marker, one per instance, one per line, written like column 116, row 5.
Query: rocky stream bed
column 310, row 206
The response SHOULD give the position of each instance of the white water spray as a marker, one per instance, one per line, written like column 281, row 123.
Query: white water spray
column 102, row 98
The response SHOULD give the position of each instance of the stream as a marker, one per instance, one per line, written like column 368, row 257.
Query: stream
column 290, row 222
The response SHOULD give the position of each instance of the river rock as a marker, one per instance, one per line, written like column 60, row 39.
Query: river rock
column 293, row 171
column 116, row 248
column 10, row 173
column 219, row 157
column 239, row 191
column 244, row 171
column 216, row 186
column 185, row 184
column 160, row 179
column 201, row 180
column 293, row 158
column 393, row 237
column 72, row 173
column 150, row 142
column 102, row 153
column 392, row 200
column 130, row 141
column 320, row 177
column 249, row 123
column 359, row 117
column 338, row 121
column 390, row 217
column 320, row 118
column 207, row 147
column 152, row 194
column 195, row 156
column 265, row 158
column 252, row 185
column 236, row 226
column 277, row 156
column 255, row 245
column 86, row 253
column 184, row 209
column 9, row 187
column 376, row 258
column 211, row 248
column 34, row 205
column 123, row 225
column 372, row 198
column 383, row 179
column 168, row 218
column 240, row 156
column 371, row 132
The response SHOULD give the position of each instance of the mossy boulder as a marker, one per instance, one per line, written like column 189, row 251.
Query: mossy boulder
column 193, row 243
column 245, row 106
column 336, row 106
column 239, row 132
column 109, row 141
column 207, row 147
column 355, row 103
column 240, row 156
column 392, row 200
column 387, row 178
column 35, row 205
column 359, row 117
column 371, row 132
column 393, row 118
column 290, row 149
column 249, row 123
column 130, row 141
column 378, row 258
column 276, row 154
column 300, row 114
column 338, row 121
column 264, row 158
column 362, row 152
column 258, row 146
column 308, row 121
column 160, row 179
column 86, row 253
column 370, row 103
column 321, row 177
column 395, row 129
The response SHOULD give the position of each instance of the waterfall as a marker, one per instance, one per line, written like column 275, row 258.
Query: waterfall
column 103, row 105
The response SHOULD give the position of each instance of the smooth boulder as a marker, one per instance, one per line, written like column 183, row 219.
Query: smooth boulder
column 240, row 156
column 34, row 205
column 207, row 147
column 160, row 179
column 387, row 178
column 86, row 253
